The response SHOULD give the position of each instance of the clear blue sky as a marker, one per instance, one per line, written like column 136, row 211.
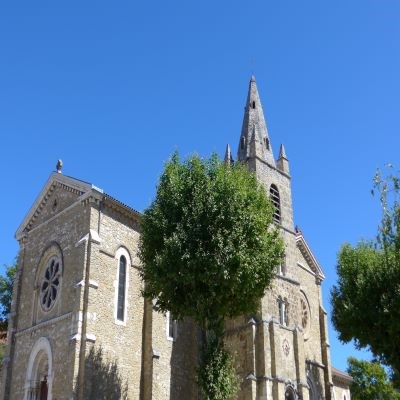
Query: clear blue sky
column 113, row 88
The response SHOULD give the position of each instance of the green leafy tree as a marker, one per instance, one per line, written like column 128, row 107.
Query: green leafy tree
column 366, row 299
column 6, row 287
column 370, row 381
column 209, row 250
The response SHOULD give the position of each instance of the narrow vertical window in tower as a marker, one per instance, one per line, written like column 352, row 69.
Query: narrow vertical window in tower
column 282, row 266
column 172, row 327
column 286, row 313
column 242, row 142
column 121, row 288
column 266, row 142
column 283, row 307
column 276, row 201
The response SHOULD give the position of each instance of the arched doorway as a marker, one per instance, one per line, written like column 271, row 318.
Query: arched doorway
column 43, row 389
column 39, row 372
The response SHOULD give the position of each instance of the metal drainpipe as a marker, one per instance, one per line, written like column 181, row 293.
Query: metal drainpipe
column 82, row 351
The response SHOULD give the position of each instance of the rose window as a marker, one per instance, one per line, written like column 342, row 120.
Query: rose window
column 50, row 284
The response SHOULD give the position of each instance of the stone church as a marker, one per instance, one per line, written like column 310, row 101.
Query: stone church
column 80, row 329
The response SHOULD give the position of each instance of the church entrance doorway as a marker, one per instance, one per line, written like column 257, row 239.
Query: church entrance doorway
column 43, row 389
column 39, row 373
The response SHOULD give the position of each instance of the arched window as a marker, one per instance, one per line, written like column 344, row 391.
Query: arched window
column 253, row 104
column 282, row 266
column 276, row 201
column 283, row 311
column 50, row 284
column 242, row 142
column 266, row 142
column 121, row 289
column 289, row 394
column 121, row 285
column 172, row 327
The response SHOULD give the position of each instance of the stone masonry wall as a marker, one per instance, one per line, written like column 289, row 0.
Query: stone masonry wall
column 61, row 323
column 119, row 341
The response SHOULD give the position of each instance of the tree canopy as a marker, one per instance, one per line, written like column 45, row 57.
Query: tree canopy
column 366, row 299
column 209, row 249
column 370, row 381
column 208, row 246
column 6, row 287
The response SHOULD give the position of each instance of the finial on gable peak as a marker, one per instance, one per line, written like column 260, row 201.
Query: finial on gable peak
column 59, row 166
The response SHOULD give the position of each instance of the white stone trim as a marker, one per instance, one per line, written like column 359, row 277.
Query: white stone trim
column 54, row 179
column 42, row 344
column 305, row 268
column 90, row 337
column 43, row 323
column 94, row 236
column 93, row 284
column 309, row 256
column 122, row 251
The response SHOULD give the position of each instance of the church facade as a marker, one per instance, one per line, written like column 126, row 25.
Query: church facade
column 80, row 329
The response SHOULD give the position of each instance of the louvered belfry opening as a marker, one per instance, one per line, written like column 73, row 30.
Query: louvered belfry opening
column 274, row 194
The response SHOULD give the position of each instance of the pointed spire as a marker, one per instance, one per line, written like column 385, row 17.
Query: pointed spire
column 283, row 162
column 282, row 152
column 254, row 128
column 228, row 155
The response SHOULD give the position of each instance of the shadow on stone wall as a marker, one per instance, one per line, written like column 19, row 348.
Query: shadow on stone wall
column 316, row 379
column 184, row 362
column 103, row 381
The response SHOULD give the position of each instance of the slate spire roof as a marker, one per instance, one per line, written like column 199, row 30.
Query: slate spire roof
column 228, row 155
column 254, row 139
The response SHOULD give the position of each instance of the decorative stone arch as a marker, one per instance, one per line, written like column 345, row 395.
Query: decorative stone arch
column 52, row 249
column 121, row 253
column 39, row 374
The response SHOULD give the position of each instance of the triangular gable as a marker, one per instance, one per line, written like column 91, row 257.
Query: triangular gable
column 72, row 184
column 308, row 255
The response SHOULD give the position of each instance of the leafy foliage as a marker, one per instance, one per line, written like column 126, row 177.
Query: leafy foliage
column 6, row 287
column 366, row 300
column 208, row 245
column 217, row 376
column 370, row 381
column 209, row 250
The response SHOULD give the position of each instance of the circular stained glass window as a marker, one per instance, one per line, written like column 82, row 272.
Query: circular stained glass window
column 50, row 284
